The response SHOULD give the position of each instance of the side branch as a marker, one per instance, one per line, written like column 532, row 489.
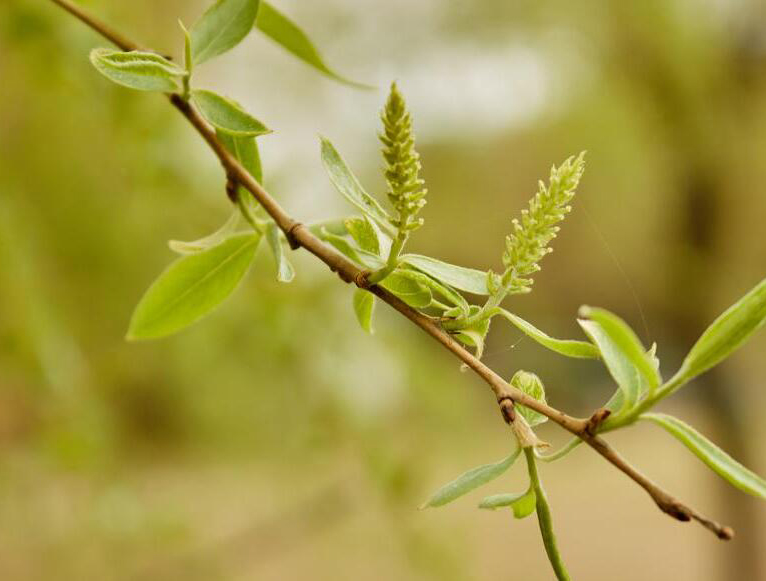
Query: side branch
column 300, row 236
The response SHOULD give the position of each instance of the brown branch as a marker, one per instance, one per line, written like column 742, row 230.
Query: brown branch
column 301, row 237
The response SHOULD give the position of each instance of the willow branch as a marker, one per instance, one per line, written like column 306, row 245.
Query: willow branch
column 299, row 236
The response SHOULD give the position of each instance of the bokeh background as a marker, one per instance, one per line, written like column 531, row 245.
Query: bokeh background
column 276, row 440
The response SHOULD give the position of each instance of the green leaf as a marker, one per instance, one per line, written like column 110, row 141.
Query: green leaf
column 716, row 459
column 727, row 333
column 409, row 290
column 620, row 367
column 568, row 347
column 470, row 480
column 364, row 305
column 530, row 384
column 245, row 149
column 286, row 33
column 222, row 27
column 226, row 115
column 192, row 287
column 459, row 277
column 444, row 291
column 144, row 71
column 523, row 504
column 358, row 255
column 627, row 341
column 364, row 234
column 209, row 241
column 285, row 271
column 350, row 188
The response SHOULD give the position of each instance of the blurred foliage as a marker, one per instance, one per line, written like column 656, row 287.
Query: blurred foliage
column 277, row 438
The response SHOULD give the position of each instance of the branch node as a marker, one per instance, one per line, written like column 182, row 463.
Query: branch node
column 290, row 235
column 598, row 417
column 361, row 279
column 507, row 409
column 231, row 187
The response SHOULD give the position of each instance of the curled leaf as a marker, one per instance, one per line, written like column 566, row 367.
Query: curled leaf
column 530, row 384
column 626, row 340
column 144, row 71
column 568, row 347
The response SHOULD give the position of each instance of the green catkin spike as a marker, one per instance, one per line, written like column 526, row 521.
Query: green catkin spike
column 529, row 242
column 405, row 188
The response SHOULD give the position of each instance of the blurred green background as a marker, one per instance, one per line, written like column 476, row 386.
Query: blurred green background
column 276, row 440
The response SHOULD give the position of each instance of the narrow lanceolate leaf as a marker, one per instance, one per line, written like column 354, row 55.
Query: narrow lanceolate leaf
column 213, row 239
column 504, row 500
column 409, row 290
column 727, row 333
column 568, row 347
column 245, row 149
column 144, row 71
column 226, row 115
column 464, row 279
column 221, row 28
column 350, row 188
column 620, row 367
column 627, row 341
column 285, row 271
column 364, row 305
column 470, row 480
column 364, row 233
column 530, row 384
column 192, row 287
column 284, row 32
column 718, row 460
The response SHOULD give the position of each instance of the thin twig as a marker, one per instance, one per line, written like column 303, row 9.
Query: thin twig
column 301, row 237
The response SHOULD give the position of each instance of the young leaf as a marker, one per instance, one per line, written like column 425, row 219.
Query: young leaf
column 470, row 480
column 716, row 459
column 568, row 347
column 144, row 71
column 245, row 149
column 522, row 503
column 627, row 341
column 284, row 32
column 213, row 239
column 222, row 27
column 727, row 333
column 409, row 290
column 192, row 287
column 226, row 115
column 364, row 305
column 364, row 234
column 343, row 246
column 444, row 291
column 350, row 188
column 530, row 384
column 464, row 279
column 620, row 367
column 285, row 271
